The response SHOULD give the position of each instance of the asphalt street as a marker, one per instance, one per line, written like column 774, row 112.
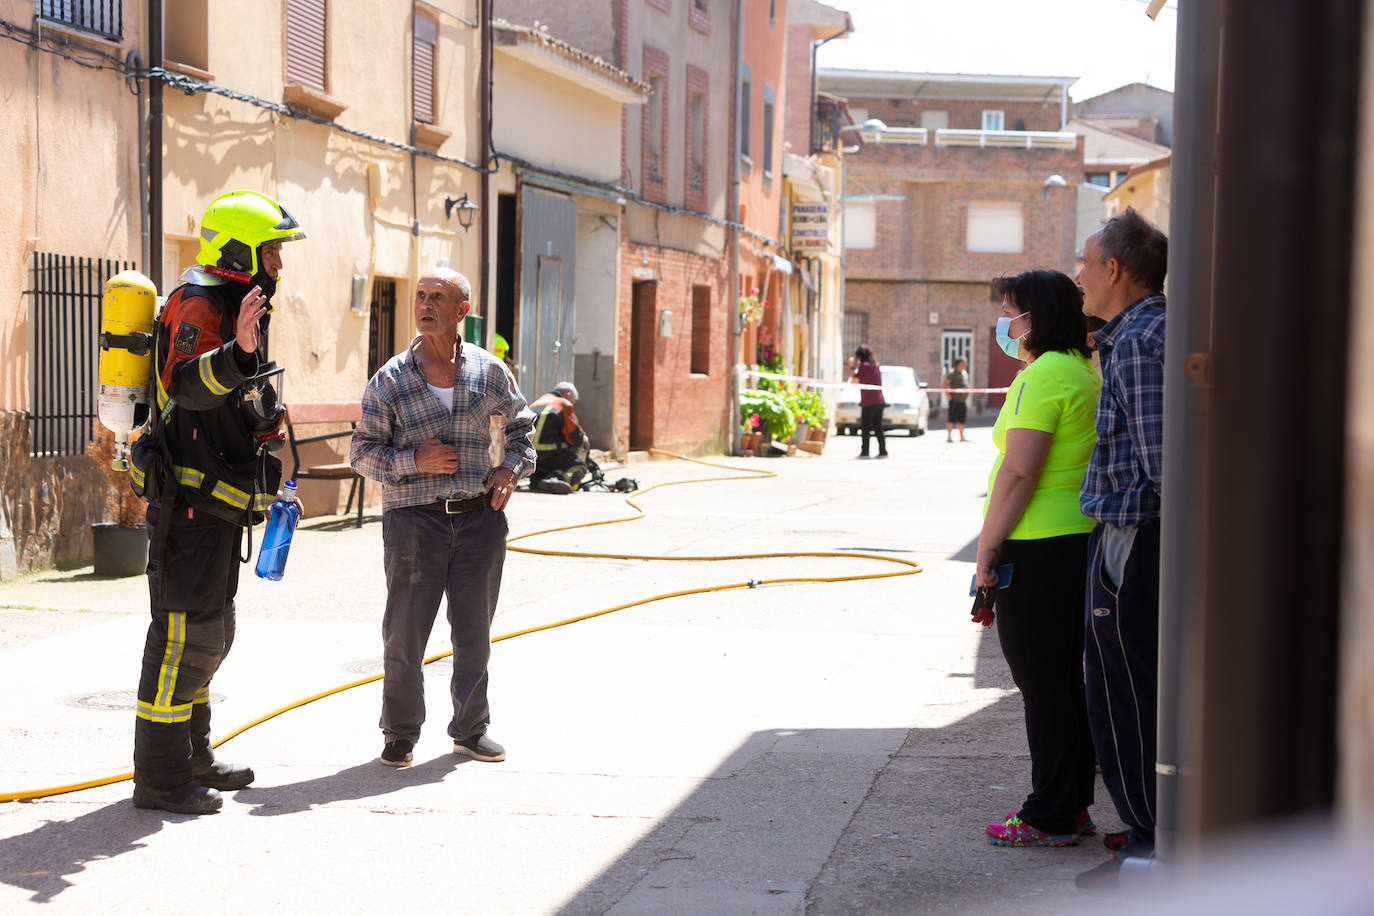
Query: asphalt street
column 799, row 748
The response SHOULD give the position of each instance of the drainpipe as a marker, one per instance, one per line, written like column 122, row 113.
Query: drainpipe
column 135, row 63
column 1187, row 418
column 154, row 264
column 732, row 214
column 484, row 178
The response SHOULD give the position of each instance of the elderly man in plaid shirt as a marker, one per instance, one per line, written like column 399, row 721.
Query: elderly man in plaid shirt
column 1122, row 280
column 430, row 416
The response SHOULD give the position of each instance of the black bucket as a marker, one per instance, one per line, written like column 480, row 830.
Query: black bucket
column 120, row 551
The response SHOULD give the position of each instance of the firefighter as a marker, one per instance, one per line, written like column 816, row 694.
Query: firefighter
column 559, row 443
column 206, row 469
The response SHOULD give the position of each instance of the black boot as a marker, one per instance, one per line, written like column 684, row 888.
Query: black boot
column 223, row 776
column 187, row 798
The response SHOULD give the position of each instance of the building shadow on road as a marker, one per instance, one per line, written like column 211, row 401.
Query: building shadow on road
column 366, row 780
column 41, row 860
column 886, row 820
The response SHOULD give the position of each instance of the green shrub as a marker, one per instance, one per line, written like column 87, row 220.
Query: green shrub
column 775, row 415
column 809, row 407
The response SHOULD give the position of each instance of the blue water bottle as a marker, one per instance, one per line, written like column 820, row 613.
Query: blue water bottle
column 276, row 540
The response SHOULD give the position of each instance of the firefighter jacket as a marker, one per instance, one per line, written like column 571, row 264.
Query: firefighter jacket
column 555, row 424
column 212, row 438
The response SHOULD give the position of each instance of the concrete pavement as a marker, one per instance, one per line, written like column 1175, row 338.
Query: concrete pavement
column 821, row 748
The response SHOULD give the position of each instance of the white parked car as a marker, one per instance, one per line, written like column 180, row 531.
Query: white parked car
column 908, row 405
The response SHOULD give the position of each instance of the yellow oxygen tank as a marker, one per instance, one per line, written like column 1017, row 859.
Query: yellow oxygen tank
column 126, row 357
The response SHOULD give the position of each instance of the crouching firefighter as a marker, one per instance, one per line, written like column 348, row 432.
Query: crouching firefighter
column 204, row 466
column 560, row 445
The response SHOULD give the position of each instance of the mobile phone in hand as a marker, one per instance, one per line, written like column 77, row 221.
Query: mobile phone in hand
column 1003, row 579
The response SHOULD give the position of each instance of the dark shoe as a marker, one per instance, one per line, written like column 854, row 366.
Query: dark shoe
column 882, row 454
column 1115, row 842
column 551, row 485
column 398, row 753
column 1103, row 878
column 187, row 798
column 863, row 457
column 223, row 776
column 480, row 747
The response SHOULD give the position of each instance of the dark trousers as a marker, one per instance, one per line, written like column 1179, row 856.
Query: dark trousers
column 563, row 462
column 191, row 585
column 1120, row 664
column 871, row 422
column 427, row 556
column 1040, row 627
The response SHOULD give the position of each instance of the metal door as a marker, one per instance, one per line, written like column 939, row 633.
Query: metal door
column 548, row 247
column 954, row 346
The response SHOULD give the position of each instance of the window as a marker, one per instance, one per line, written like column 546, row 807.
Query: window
column 653, row 156
column 697, row 84
column 767, row 133
column 701, row 330
column 305, row 43
column 65, row 303
column 993, row 120
column 422, row 80
column 745, row 94
column 855, row 330
column 860, row 224
column 186, row 36
column 1101, row 179
column 102, row 17
column 934, row 119
column 995, row 227
column 699, row 15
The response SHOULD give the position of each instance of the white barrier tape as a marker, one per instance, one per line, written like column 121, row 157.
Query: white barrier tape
column 818, row 383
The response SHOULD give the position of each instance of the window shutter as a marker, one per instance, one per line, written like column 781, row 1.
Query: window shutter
column 426, row 36
column 305, row 43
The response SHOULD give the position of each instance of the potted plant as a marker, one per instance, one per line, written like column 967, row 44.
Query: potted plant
column 121, row 546
column 777, row 422
column 809, row 408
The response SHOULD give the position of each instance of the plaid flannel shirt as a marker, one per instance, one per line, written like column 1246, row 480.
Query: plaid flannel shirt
column 1124, row 476
column 400, row 413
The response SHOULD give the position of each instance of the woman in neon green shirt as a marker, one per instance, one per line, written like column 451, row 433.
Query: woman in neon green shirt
column 1031, row 521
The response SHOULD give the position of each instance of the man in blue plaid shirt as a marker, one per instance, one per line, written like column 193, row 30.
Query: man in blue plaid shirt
column 1123, row 280
column 447, row 432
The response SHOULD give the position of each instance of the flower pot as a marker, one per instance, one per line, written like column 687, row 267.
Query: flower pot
column 120, row 551
column 815, row 434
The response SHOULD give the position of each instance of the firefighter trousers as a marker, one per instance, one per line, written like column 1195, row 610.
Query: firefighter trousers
column 192, row 579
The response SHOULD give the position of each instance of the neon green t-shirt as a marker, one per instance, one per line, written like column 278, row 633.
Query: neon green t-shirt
column 1057, row 394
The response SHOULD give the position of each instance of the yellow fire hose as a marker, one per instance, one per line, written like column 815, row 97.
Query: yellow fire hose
column 910, row 568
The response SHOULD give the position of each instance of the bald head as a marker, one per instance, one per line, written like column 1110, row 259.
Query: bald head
column 455, row 283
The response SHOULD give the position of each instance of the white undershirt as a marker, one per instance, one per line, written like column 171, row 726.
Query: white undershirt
column 445, row 395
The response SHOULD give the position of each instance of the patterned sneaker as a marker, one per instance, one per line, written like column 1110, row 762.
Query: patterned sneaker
column 1115, row 842
column 1082, row 823
column 1016, row 832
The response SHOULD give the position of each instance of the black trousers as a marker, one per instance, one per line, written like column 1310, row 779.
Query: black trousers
column 192, row 581
column 871, row 421
column 1122, row 675
column 1040, row 627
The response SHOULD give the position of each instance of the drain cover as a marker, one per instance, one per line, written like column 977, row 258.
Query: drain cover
column 115, row 700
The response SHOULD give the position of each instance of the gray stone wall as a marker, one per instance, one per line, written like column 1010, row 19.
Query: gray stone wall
column 47, row 505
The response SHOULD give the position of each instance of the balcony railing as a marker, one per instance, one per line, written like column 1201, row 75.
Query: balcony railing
column 1021, row 139
column 99, row 17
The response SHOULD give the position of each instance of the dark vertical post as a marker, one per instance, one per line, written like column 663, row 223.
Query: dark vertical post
column 154, row 266
column 1284, row 212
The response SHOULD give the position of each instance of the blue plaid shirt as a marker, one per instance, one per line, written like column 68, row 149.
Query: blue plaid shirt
column 1122, row 483
column 400, row 413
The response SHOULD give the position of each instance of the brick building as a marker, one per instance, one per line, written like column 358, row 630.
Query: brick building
column 961, row 179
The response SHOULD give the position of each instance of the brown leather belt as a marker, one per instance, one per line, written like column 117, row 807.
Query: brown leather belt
column 454, row 506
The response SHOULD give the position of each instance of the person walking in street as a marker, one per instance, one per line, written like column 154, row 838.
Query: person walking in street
column 1032, row 524
column 426, row 434
column 871, row 402
column 958, row 400
column 205, row 469
column 1122, row 279
column 559, row 442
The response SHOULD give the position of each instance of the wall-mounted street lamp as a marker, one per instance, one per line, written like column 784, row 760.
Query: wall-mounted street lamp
column 1054, row 181
column 467, row 210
